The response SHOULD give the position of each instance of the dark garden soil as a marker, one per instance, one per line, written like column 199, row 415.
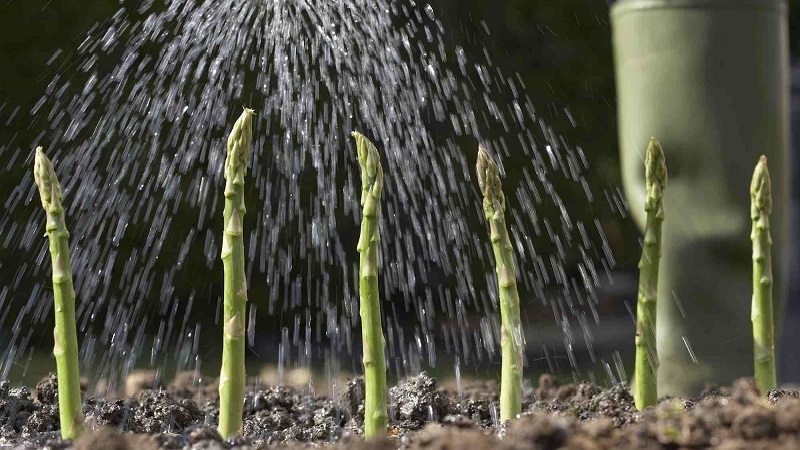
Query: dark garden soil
column 423, row 416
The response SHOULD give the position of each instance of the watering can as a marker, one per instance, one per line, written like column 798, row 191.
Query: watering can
column 710, row 80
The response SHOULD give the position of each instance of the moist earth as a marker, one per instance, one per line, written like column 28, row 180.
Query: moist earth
column 423, row 415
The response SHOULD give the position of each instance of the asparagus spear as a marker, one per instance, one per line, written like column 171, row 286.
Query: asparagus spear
column 375, row 415
column 646, row 392
column 761, row 313
column 65, row 349
column 232, row 376
column 494, row 206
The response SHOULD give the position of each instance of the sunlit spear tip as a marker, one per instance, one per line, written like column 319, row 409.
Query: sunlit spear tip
column 655, row 164
column 488, row 174
column 45, row 177
column 238, row 146
column 368, row 158
column 760, row 188
column 40, row 161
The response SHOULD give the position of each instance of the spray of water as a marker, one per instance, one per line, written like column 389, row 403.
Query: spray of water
column 135, row 120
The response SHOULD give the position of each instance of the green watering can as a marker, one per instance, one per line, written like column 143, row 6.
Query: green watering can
column 710, row 80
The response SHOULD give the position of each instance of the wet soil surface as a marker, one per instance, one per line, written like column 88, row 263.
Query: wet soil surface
column 423, row 416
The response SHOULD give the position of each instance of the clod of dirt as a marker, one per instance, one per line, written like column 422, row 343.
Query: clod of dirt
column 482, row 412
column 45, row 441
column 282, row 414
column 158, row 411
column 480, row 402
column 673, row 426
column 16, row 407
column 116, row 413
column 580, row 443
column 602, row 427
column 566, row 392
column 615, row 403
column 735, row 445
column 437, row 437
column 353, row 400
column 45, row 419
column 169, row 441
column 756, row 422
column 711, row 390
column 787, row 415
column 352, row 442
column 776, row 395
column 745, row 391
column 203, row 432
column 547, row 388
column 109, row 439
column 208, row 445
column 416, row 400
column 581, row 401
column 537, row 431
column 47, row 389
column 458, row 421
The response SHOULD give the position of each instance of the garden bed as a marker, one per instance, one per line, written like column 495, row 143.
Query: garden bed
column 422, row 416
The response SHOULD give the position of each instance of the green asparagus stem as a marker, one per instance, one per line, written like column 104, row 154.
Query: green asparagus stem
column 761, row 312
column 66, row 337
column 375, row 415
column 232, row 376
column 511, row 338
column 646, row 392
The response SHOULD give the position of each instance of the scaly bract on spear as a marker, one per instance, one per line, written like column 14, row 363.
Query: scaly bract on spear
column 511, row 337
column 646, row 389
column 232, row 375
column 375, row 414
column 65, row 349
column 761, row 311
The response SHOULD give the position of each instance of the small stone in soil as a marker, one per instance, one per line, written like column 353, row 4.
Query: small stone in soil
column 416, row 401
column 47, row 389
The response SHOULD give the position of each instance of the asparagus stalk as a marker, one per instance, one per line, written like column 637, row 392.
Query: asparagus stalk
column 232, row 376
column 646, row 389
column 761, row 312
column 494, row 206
column 65, row 349
column 375, row 414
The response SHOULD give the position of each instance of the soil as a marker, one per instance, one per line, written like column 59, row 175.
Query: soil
column 423, row 415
